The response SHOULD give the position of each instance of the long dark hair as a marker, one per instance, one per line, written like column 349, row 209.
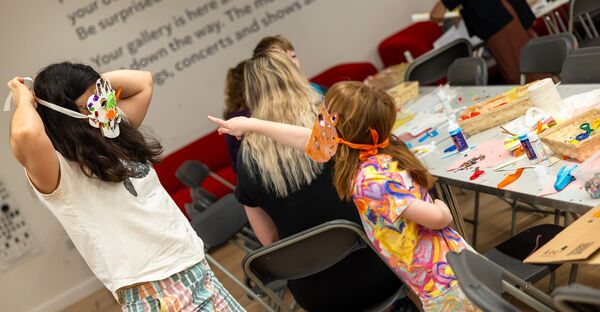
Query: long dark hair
column 234, row 90
column 75, row 139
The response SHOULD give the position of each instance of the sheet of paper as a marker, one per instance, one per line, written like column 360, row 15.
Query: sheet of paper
column 494, row 154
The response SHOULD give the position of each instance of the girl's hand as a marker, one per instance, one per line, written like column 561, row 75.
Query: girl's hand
column 437, row 13
column 20, row 92
column 237, row 126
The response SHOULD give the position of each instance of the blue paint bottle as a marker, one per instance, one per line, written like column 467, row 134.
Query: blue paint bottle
column 527, row 147
column 457, row 136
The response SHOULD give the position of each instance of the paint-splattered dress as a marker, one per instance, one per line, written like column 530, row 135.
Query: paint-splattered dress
column 417, row 254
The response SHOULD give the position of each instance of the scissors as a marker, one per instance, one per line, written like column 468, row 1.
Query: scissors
column 586, row 127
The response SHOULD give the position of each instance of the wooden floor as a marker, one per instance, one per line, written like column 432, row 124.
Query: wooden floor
column 494, row 228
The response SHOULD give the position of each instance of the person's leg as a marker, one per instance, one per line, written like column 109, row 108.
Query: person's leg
column 506, row 46
column 221, row 299
column 194, row 289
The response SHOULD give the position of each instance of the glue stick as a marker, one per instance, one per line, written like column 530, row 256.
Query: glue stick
column 457, row 136
column 538, row 147
column 526, row 144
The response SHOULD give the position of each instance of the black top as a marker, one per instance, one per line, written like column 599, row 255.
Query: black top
column 355, row 283
column 484, row 18
column 233, row 144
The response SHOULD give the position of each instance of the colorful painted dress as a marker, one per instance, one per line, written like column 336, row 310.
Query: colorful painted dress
column 417, row 254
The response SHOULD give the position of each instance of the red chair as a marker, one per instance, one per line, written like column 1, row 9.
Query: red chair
column 344, row 72
column 417, row 38
column 210, row 150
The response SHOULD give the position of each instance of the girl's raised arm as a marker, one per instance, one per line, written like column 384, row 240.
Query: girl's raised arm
column 29, row 142
column 136, row 93
column 289, row 135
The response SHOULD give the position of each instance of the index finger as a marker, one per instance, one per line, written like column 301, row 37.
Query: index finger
column 216, row 120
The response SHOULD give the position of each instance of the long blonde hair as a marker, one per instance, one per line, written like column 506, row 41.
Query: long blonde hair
column 359, row 108
column 277, row 91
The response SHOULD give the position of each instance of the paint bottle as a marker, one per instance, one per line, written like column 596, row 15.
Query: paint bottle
column 527, row 146
column 538, row 147
column 457, row 136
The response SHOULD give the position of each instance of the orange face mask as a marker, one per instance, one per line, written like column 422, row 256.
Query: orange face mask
column 324, row 139
column 322, row 144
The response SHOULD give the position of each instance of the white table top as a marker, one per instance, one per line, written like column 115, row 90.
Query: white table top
column 528, row 186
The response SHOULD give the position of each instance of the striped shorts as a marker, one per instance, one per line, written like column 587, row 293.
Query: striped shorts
column 194, row 289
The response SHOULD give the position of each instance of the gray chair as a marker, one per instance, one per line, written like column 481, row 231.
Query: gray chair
column 468, row 71
column 583, row 11
column 480, row 280
column 588, row 50
column 545, row 55
column 308, row 253
column 581, row 68
column 433, row 65
column 483, row 282
column 576, row 298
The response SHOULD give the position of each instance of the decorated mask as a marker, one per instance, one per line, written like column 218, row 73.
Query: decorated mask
column 322, row 144
column 102, row 106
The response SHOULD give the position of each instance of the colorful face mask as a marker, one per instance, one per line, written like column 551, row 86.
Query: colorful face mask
column 102, row 105
column 103, row 108
column 324, row 140
column 322, row 144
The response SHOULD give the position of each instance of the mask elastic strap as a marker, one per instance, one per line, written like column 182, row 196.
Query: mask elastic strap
column 61, row 109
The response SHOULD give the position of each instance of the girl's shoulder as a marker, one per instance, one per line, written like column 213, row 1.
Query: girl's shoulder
column 380, row 163
column 382, row 167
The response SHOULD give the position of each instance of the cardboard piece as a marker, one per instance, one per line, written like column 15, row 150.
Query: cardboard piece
column 578, row 243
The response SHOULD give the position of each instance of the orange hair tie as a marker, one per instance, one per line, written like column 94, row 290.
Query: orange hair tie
column 367, row 150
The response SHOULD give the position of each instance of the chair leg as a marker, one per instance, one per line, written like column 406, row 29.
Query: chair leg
column 552, row 280
column 475, row 220
column 513, row 229
column 573, row 273
column 556, row 217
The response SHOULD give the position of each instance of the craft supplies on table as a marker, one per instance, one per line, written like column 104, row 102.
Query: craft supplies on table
column 544, row 95
column 457, row 136
column 423, row 150
column 576, row 138
column 487, row 155
column 564, row 177
column 389, row 77
column 404, row 93
column 495, row 111
column 420, row 123
column 588, row 173
column 526, row 145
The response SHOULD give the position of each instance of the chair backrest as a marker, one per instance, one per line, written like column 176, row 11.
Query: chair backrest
column 576, row 298
column 545, row 54
column 480, row 280
column 581, row 68
column 588, row 50
column 433, row 65
column 220, row 222
column 306, row 253
column 468, row 71
column 344, row 72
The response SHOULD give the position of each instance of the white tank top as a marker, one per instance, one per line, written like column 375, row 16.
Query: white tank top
column 128, row 232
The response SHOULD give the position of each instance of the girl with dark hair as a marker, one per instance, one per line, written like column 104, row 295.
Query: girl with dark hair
column 90, row 165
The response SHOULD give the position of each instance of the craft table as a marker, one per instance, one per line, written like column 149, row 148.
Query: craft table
column 525, row 189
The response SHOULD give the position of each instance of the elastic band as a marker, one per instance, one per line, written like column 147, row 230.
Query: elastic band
column 367, row 150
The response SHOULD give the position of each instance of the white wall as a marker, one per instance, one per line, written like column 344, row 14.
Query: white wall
column 36, row 33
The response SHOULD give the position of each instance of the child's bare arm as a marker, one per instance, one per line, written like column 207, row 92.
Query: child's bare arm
column 430, row 215
column 289, row 135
